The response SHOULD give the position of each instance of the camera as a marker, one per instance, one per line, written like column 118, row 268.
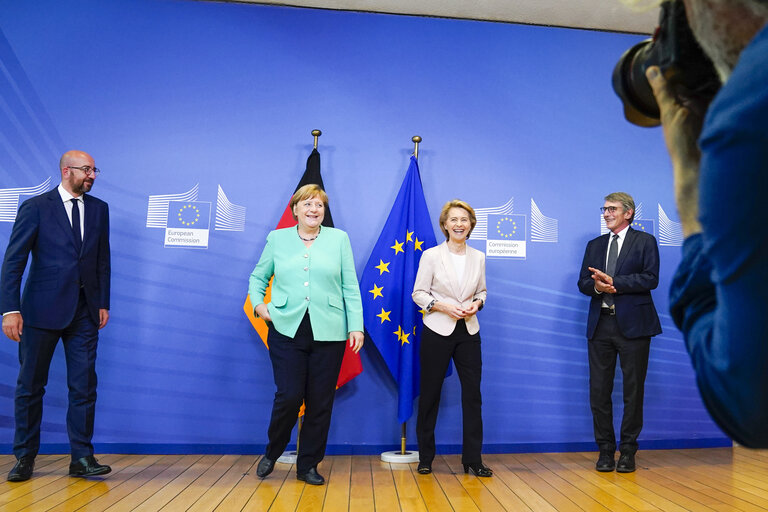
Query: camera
column 682, row 62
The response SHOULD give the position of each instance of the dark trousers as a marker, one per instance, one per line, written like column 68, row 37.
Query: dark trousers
column 633, row 354
column 436, row 353
column 36, row 348
column 305, row 371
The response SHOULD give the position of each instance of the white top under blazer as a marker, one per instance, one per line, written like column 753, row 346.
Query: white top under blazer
column 436, row 279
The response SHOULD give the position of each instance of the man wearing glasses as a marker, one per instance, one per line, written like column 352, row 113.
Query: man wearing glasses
column 66, row 297
column 619, row 271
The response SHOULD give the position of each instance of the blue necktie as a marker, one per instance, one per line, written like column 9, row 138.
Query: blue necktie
column 76, row 225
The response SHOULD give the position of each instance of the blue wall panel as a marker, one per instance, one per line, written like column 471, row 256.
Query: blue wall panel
column 174, row 96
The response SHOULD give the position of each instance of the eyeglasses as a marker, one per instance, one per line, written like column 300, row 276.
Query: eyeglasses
column 610, row 209
column 87, row 169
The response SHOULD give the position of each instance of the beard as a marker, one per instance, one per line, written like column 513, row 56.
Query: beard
column 711, row 32
column 81, row 187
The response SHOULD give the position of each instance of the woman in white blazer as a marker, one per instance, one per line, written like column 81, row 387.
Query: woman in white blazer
column 450, row 288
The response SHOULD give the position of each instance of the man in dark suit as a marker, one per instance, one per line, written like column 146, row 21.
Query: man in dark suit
column 66, row 297
column 619, row 271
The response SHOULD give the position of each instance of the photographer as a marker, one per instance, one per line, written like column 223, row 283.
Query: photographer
column 719, row 296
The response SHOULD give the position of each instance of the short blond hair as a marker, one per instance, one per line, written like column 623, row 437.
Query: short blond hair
column 307, row 192
column 456, row 203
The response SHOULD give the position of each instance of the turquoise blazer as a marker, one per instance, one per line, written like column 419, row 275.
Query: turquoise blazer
column 320, row 278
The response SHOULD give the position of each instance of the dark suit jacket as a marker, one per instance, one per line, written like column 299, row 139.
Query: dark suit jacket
column 637, row 273
column 57, row 271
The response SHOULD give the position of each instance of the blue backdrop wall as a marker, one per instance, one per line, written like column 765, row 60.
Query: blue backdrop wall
column 214, row 102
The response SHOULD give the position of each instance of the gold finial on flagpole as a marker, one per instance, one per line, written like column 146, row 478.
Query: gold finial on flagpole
column 316, row 134
column 416, row 139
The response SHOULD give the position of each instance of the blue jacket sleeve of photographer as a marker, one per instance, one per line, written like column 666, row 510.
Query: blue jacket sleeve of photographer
column 719, row 296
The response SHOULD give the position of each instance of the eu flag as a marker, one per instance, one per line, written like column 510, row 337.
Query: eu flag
column 189, row 214
column 392, row 319
column 646, row 225
column 506, row 227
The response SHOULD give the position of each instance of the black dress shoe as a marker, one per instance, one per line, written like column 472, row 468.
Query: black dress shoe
column 478, row 469
column 88, row 466
column 22, row 470
column 312, row 477
column 424, row 468
column 605, row 462
column 265, row 467
column 626, row 463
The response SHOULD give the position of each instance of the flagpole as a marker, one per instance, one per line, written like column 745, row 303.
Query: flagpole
column 289, row 457
column 403, row 456
column 416, row 140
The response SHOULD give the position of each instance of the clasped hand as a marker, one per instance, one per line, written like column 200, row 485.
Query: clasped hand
column 603, row 282
column 457, row 312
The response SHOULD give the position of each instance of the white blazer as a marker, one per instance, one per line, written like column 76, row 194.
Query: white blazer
column 437, row 280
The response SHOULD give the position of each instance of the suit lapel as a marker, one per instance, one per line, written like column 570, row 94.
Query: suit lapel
column 603, row 251
column 90, row 219
column 626, row 248
column 470, row 279
column 60, row 214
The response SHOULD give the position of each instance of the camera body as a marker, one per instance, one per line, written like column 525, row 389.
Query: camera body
column 675, row 51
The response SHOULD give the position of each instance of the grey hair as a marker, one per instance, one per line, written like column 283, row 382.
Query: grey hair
column 626, row 202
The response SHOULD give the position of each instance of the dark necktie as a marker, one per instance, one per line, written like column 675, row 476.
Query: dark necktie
column 76, row 225
column 610, row 268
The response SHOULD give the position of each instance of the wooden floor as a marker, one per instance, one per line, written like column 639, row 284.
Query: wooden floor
column 720, row 479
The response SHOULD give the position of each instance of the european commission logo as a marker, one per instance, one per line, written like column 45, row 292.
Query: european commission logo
column 187, row 221
column 188, row 224
column 506, row 236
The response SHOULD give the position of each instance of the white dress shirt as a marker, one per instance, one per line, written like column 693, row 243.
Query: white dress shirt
column 67, row 197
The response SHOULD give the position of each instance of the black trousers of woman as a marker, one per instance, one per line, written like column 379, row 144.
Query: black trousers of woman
column 436, row 353
column 305, row 371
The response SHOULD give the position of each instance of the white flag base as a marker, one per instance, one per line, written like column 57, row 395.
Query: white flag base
column 288, row 458
column 400, row 458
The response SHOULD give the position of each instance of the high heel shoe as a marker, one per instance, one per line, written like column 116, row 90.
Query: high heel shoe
column 424, row 468
column 478, row 469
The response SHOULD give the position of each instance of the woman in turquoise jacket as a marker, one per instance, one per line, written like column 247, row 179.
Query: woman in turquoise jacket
column 315, row 307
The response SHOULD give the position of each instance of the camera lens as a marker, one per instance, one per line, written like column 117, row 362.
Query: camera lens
column 689, row 73
column 631, row 85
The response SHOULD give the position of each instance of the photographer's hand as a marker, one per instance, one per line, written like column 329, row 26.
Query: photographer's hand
column 682, row 124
